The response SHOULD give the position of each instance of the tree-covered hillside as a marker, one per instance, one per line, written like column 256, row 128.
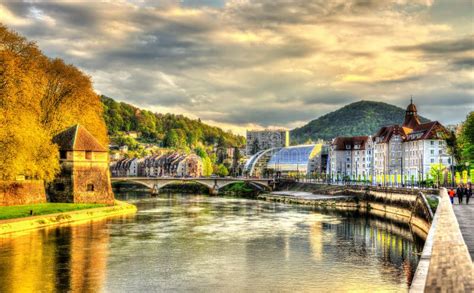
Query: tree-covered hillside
column 360, row 118
column 171, row 130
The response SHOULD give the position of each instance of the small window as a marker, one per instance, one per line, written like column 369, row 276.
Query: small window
column 60, row 187
column 63, row 155
column 90, row 187
column 88, row 155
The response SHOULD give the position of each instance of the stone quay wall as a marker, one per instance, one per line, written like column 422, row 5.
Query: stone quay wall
column 22, row 192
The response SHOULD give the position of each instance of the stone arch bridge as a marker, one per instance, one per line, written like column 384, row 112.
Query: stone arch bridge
column 214, row 184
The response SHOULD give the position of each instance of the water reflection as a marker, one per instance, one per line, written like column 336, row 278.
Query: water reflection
column 65, row 259
column 191, row 242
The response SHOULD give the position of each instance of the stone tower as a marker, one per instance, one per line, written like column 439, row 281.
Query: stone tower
column 411, row 116
column 84, row 162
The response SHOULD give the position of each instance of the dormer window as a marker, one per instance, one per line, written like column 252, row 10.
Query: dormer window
column 348, row 146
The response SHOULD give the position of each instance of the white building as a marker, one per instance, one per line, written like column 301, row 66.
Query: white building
column 395, row 155
column 351, row 157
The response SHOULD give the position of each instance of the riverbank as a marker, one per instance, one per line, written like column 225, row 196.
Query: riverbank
column 23, row 211
column 396, row 210
column 36, row 222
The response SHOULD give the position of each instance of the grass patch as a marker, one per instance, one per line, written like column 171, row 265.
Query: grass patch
column 13, row 212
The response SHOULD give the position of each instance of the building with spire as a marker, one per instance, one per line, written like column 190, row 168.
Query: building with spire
column 84, row 176
column 401, row 153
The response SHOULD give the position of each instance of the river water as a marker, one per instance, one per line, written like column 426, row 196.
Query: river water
column 212, row 244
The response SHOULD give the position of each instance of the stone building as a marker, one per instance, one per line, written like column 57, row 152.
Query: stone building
column 259, row 140
column 84, row 176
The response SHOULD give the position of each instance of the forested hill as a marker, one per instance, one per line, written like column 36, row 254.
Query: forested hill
column 172, row 130
column 360, row 118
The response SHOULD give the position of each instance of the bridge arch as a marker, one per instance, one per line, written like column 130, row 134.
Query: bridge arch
column 214, row 184
column 177, row 181
column 258, row 184
column 138, row 182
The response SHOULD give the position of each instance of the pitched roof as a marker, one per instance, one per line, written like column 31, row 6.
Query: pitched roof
column 77, row 138
column 341, row 143
column 385, row 133
column 430, row 130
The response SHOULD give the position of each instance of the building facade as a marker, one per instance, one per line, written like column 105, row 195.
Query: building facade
column 84, row 162
column 351, row 157
column 173, row 164
column 259, row 140
column 396, row 154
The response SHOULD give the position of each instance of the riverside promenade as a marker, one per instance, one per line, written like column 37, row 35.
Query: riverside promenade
column 445, row 264
column 465, row 216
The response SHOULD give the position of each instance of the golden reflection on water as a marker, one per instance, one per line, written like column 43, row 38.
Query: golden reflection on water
column 66, row 259
column 207, row 243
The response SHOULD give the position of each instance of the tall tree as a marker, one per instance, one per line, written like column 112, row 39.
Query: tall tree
column 38, row 98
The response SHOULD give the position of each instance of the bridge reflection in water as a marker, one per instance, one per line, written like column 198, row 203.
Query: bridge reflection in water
column 214, row 244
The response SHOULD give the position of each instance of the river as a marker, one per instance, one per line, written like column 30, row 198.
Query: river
column 201, row 244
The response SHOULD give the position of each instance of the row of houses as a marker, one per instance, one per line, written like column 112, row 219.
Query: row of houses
column 159, row 165
column 395, row 153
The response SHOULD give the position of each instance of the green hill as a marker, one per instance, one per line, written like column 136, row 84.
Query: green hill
column 360, row 118
column 167, row 129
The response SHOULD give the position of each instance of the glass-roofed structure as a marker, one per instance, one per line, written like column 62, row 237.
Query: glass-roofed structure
column 302, row 159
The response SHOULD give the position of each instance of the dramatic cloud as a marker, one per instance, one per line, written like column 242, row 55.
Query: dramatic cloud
column 262, row 63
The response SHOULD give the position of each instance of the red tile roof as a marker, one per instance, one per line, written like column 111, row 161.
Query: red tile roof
column 77, row 138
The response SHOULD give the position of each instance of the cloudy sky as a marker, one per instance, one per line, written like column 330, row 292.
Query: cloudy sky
column 264, row 63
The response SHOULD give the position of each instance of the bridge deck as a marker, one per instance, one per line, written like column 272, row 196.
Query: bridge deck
column 465, row 216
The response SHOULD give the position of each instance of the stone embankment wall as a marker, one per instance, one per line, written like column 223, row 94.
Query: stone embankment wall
column 390, row 202
column 22, row 192
column 445, row 264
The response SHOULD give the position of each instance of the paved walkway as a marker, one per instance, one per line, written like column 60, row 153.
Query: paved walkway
column 465, row 216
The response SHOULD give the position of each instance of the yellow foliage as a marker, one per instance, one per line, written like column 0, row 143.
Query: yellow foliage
column 40, row 97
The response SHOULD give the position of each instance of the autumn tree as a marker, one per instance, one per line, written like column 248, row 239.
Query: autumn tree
column 40, row 97
column 25, row 146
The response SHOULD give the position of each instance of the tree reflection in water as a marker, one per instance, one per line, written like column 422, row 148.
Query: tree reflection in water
column 65, row 259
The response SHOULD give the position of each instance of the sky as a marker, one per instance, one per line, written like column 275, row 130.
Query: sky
column 242, row 64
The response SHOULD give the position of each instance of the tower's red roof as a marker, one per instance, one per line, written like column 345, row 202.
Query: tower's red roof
column 77, row 138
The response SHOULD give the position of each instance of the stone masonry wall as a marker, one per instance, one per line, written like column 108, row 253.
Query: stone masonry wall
column 22, row 192
column 98, row 176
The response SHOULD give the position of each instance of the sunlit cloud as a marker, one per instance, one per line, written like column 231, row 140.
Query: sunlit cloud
column 252, row 64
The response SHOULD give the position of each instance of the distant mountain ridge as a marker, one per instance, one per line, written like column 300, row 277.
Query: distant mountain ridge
column 359, row 118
